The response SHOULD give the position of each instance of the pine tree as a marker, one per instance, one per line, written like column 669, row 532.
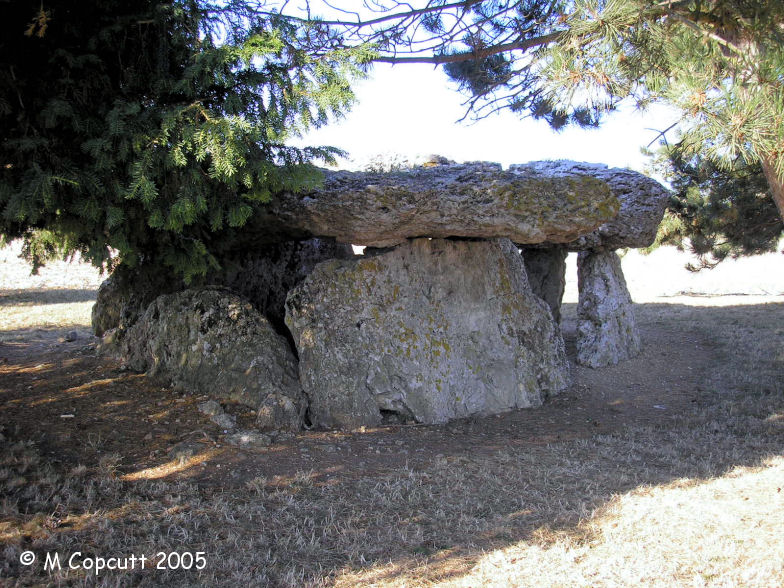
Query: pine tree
column 720, row 62
column 717, row 213
column 150, row 132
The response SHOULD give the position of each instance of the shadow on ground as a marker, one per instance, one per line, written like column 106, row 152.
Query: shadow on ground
column 39, row 296
column 396, row 504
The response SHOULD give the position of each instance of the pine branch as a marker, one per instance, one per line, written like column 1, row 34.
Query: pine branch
column 477, row 54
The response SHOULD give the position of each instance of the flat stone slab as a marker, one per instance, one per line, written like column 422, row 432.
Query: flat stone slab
column 427, row 332
column 642, row 199
column 527, row 204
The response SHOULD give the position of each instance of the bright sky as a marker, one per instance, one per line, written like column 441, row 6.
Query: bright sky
column 413, row 110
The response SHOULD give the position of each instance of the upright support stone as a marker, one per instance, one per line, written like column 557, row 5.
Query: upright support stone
column 428, row 331
column 108, row 306
column 214, row 342
column 265, row 275
column 606, row 329
column 546, row 268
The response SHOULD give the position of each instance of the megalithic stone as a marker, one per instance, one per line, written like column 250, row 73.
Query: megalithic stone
column 480, row 200
column 546, row 268
column 606, row 329
column 642, row 199
column 213, row 342
column 429, row 331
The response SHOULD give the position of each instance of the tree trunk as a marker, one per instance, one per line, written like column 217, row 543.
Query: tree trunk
column 776, row 183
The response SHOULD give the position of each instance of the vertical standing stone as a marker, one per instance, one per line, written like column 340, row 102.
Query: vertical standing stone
column 262, row 274
column 429, row 331
column 213, row 342
column 606, row 329
column 546, row 268
column 265, row 275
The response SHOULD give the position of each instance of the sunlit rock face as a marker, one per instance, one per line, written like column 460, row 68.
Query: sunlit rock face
column 527, row 204
column 606, row 328
column 607, row 332
column 429, row 331
column 642, row 203
column 441, row 318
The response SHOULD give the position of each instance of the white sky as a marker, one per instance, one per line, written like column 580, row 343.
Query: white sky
column 413, row 109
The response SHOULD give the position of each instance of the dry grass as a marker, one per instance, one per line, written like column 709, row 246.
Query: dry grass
column 59, row 298
column 694, row 500
column 50, row 310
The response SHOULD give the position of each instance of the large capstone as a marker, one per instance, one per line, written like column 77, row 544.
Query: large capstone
column 546, row 269
column 606, row 329
column 213, row 342
column 429, row 331
column 527, row 205
column 642, row 199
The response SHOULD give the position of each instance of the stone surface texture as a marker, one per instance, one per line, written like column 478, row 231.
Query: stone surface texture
column 210, row 341
column 108, row 306
column 123, row 297
column 265, row 275
column 642, row 199
column 480, row 200
column 546, row 269
column 606, row 329
column 429, row 331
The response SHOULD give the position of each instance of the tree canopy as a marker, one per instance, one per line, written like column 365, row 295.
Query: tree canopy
column 719, row 62
column 716, row 213
column 154, row 129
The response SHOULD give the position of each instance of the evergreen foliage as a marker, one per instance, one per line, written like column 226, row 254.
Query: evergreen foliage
column 154, row 128
column 719, row 62
column 717, row 213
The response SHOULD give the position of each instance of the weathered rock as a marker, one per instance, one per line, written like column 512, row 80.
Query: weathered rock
column 546, row 269
column 124, row 296
column 224, row 421
column 184, row 450
column 210, row 408
column 213, row 342
column 429, row 331
column 249, row 439
column 265, row 275
column 606, row 329
column 279, row 408
column 527, row 204
column 387, row 162
column 642, row 199
column 108, row 307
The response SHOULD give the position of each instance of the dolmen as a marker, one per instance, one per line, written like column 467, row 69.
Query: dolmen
column 440, row 318
column 606, row 329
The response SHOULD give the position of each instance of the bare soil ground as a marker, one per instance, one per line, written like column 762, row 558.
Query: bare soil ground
column 666, row 469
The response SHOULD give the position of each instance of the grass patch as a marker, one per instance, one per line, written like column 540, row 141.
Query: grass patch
column 692, row 500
